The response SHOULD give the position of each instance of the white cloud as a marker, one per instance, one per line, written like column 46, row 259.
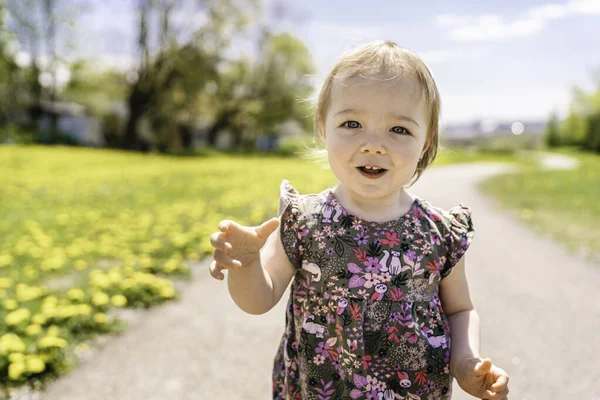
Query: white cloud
column 449, row 55
column 494, row 26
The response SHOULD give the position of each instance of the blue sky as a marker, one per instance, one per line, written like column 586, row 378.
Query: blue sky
column 499, row 59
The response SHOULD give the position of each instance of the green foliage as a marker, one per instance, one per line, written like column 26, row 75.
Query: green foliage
column 582, row 126
column 13, row 134
column 95, row 88
column 552, row 132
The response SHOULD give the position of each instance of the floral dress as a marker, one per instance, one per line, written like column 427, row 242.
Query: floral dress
column 364, row 318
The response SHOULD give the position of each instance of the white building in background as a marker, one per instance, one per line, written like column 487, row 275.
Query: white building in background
column 482, row 130
column 73, row 122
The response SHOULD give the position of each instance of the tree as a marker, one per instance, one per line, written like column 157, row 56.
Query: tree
column 40, row 27
column 552, row 132
column 184, row 55
column 586, row 106
column 259, row 96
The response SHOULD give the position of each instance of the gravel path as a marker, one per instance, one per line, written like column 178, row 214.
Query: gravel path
column 539, row 309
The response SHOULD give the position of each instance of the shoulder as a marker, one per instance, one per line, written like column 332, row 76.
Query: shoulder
column 456, row 218
column 297, row 205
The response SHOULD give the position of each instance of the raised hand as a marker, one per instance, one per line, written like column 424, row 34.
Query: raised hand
column 238, row 246
column 481, row 378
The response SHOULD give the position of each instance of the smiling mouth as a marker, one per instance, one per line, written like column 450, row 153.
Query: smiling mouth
column 371, row 172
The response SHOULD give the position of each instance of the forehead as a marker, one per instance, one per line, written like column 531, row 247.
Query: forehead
column 378, row 93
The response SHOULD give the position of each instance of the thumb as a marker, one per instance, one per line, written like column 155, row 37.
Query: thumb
column 483, row 367
column 266, row 228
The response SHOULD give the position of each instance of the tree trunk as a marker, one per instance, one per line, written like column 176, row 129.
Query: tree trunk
column 221, row 122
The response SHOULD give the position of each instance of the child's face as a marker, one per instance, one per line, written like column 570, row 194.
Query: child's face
column 377, row 123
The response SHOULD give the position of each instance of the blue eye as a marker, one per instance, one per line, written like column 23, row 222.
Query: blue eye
column 399, row 129
column 351, row 124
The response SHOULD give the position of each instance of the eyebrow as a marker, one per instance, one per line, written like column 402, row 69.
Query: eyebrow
column 398, row 117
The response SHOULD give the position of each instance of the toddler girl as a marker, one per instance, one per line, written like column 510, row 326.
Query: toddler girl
column 379, row 306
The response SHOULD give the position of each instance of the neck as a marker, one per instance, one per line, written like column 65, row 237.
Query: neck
column 377, row 209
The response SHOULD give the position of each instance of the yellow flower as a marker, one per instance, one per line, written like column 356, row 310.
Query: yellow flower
column 5, row 260
column 100, row 318
column 84, row 309
column 16, row 357
column 35, row 364
column 10, row 343
column 119, row 300
column 100, row 299
column 167, row 292
column 18, row 316
column 33, row 329
column 76, row 294
column 27, row 293
column 16, row 370
column 51, row 341
column 39, row 319
column 53, row 330
column 80, row 265
column 6, row 283
column 10, row 304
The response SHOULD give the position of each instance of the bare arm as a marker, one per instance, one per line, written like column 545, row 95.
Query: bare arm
column 258, row 274
column 465, row 338
column 463, row 319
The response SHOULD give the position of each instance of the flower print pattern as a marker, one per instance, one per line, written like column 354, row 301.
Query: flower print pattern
column 370, row 325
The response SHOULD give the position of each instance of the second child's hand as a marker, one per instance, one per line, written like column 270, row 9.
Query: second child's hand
column 237, row 246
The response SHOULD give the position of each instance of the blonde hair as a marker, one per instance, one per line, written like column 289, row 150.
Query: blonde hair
column 384, row 58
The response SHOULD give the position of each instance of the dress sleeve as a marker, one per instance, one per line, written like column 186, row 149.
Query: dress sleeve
column 458, row 238
column 289, row 212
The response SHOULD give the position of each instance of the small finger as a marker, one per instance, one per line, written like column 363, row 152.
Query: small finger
column 223, row 259
column 226, row 225
column 489, row 395
column 215, row 271
column 501, row 383
column 217, row 240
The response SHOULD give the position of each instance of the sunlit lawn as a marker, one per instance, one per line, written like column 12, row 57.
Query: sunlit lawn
column 559, row 203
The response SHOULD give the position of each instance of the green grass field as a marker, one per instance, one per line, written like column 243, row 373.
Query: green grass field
column 564, row 204
column 86, row 232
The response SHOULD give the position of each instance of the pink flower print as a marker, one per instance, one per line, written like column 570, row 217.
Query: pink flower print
column 361, row 238
column 318, row 359
column 370, row 280
column 391, row 239
column 408, row 234
column 322, row 245
column 318, row 235
column 356, row 225
column 341, row 231
column 426, row 248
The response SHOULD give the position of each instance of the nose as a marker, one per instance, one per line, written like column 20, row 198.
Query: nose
column 372, row 145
